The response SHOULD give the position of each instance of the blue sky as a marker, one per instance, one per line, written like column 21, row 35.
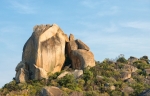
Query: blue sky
column 108, row 27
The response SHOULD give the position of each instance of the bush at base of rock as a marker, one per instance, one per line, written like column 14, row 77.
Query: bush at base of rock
column 69, row 81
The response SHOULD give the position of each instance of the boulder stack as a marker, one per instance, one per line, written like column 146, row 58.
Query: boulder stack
column 79, row 53
column 47, row 50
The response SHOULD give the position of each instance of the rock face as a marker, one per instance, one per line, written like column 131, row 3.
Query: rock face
column 46, row 52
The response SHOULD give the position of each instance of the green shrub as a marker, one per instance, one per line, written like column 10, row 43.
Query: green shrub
column 88, row 75
column 69, row 82
column 141, row 64
column 116, row 93
column 91, row 93
column 122, row 60
column 138, row 88
column 81, row 83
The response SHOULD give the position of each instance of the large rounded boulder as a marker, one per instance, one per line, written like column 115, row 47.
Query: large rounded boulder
column 45, row 49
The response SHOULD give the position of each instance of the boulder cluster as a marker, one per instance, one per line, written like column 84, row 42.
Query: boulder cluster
column 48, row 50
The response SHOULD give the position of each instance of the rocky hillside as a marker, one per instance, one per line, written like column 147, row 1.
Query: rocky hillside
column 54, row 64
column 107, row 78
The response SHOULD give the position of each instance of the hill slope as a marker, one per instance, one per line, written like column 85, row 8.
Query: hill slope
column 108, row 78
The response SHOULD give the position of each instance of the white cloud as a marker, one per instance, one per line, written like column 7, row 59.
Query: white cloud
column 23, row 7
column 137, row 25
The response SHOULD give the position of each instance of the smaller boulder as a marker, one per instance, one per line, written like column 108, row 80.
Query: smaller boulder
column 147, row 81
column 71, row 37
column 128, row 90
column 112, row 87
column 147, row 71
column 125, row 75
column 132, row 59
column 20, row 65
column 130, row 68
column 145, row 57
column 130, row 80
column 22, row 76
column 51, row 91
column 76, row 94
column 82, row 58
column 77, row 73
column 99, row 78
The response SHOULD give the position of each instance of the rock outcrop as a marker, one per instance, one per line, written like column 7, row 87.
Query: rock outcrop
column 47, row 50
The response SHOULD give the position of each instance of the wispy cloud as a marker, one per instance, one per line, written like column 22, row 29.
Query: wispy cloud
column 23, row 7
column 90, row 3
column 137, row 25
column 110, row 41
column 97, row 26
column 111, row 11
column 112, row 28
column 114, row 45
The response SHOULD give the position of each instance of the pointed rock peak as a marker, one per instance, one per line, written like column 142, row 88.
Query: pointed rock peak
column 71, row 37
